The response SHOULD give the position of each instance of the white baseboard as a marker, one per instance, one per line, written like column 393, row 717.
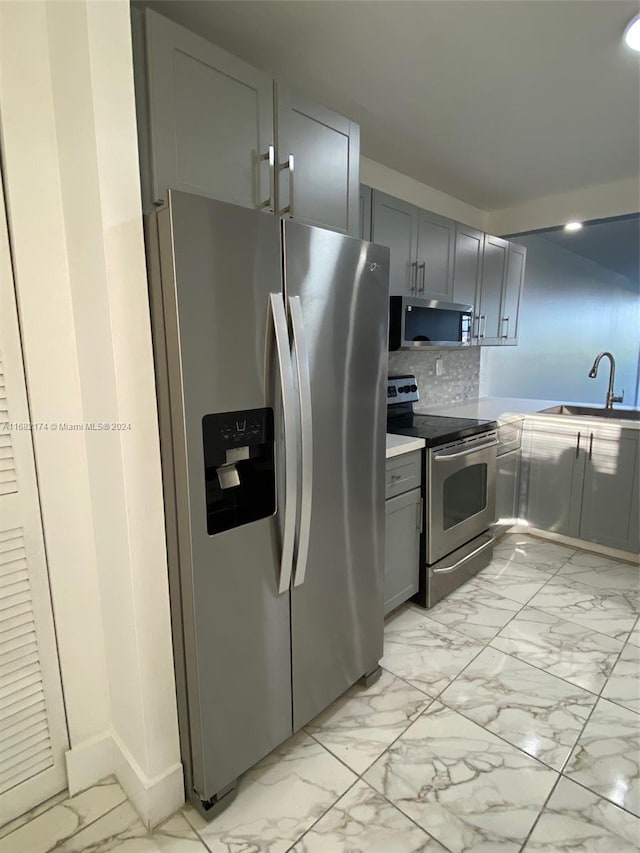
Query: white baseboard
column 89, row 762
column 154, row 799
column 561, row 539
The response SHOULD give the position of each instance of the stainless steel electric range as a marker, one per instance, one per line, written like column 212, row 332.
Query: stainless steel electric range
column 459, row 483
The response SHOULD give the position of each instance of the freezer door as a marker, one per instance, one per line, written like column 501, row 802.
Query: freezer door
column 219, row 266
column 340, row 286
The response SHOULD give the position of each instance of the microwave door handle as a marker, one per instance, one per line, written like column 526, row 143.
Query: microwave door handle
column 285, row 369
column 306, row 437
column 445, row 457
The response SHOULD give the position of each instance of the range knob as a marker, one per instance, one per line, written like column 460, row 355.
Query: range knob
column 414, row 387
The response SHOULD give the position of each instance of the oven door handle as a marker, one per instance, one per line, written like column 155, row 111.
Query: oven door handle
column 446, row 569
column 445, row 457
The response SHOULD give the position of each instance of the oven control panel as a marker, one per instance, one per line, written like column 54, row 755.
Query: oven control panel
column 402, row 389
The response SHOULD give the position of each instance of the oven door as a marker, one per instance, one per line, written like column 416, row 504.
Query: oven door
column 461, row 496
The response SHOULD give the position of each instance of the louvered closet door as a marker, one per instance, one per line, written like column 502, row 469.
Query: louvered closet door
column 33, row 735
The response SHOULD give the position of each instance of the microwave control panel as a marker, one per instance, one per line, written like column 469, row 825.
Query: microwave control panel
column 402, row 389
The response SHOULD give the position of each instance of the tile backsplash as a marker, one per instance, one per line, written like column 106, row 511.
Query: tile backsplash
column 460, row 378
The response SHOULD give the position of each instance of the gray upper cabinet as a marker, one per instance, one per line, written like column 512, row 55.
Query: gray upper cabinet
column 364, row 213
column 436, row 244
column 494, row 264
column 610, row 492
column 467, row 268
column 211, row 124
column 514, row 277
column 320, row 185
column 395, row 224
column 210, row 118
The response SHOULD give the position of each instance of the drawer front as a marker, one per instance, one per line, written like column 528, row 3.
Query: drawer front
column 403, row 473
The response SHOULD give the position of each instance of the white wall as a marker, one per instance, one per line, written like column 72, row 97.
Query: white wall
column 71, row 173
column 572, row 309
column 402, row 186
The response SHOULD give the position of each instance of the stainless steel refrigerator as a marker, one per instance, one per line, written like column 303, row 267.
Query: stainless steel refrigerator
column 270, row 342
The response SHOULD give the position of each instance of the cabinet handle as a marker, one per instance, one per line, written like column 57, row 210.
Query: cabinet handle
column 590, row 445
column 414, row 277
column 270, row 158
column 396, row 477
column 420, row 515
column 288, row 164
column 423, row 267
column 476, row 332
column 578, row 445
column 506, row 320
column 483, row 323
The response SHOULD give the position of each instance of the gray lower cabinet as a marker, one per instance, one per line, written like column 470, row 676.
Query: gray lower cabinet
column 553, row 468
column 583, row 481
column 212, row 124
column 403, row 509
column 610, row 492
column 507, row 488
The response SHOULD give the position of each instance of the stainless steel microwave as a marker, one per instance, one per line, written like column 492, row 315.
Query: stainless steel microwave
column 416, row 323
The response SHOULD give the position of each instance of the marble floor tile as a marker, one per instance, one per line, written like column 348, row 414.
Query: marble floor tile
column 364, row 822
column 425, row 653
column 613, row 614
column 606, row 758
column 623, row 685
column 603, row 573
column 578, row 821
column 560, row 647
column 522, row 548
column 537, row 712
column 17, row 822
column 515, row 581
column 49, row 829
column 277, row 800
column 361, row 724
column 634, row 636
column 462, row 784
column 478, row 612
column 121, row 831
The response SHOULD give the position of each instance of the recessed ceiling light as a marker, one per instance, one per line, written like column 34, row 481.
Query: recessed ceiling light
column 632, row 33
column 573, row 226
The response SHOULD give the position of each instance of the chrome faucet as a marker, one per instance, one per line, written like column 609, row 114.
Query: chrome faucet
column 611, row 397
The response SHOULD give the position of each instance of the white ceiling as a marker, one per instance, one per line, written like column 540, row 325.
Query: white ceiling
column 493, row 102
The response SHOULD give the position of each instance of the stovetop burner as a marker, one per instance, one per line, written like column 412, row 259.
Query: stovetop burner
column 402, row 392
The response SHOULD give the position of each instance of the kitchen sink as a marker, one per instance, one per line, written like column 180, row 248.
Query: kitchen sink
column 593, row 412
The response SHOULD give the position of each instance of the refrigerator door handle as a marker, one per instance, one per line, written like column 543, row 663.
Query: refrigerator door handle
column 306, row 444
column 285, row 369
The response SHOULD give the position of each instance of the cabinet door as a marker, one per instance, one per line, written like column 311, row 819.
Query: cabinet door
column 494, row 263
column 507, row 482
column 553, row 468
column 210, row 118
column 402, row 548
column 395, row 224
column 610, row 491
column 467, row 267
column 512, row 291
column 322, row 188
column 436, row 244
column 364, row 215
